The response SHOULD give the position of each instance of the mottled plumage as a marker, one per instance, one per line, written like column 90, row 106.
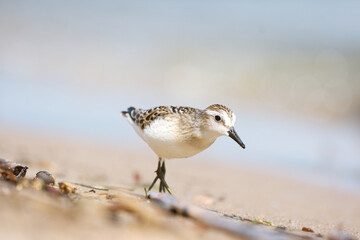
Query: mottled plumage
column 181, row 132
column 143, row 118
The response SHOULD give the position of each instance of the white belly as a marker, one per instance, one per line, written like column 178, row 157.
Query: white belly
column 168, row 141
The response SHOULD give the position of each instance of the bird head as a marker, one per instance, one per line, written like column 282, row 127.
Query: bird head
column 220, row 120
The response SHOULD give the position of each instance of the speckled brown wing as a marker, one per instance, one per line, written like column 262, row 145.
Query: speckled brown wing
column 143, row 118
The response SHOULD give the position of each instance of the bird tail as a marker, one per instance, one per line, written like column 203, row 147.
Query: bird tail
column 129, row 114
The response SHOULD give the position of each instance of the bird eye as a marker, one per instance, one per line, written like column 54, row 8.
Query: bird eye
column 217, row 118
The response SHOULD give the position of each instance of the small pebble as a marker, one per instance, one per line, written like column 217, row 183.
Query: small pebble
column 306, row 229
column 47, row 177
column 281, row 228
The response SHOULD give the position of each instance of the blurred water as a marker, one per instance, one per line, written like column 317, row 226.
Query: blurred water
column 297, row 55
column 319, row 152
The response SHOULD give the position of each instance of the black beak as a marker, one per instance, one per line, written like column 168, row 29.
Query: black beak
column 236, row 138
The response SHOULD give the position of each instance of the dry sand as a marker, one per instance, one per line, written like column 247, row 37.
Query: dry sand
column 241, row 190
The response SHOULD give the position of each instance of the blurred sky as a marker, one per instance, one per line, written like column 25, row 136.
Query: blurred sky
column 289, row 69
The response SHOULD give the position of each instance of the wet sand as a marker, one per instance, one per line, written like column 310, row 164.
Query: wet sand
column 248, row 192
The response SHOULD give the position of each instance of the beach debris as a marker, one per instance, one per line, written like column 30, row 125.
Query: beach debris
column 18, row 170
column 46, row 177
column 7, row 176
column 66, row 188
column 216, row 221
column 146, row 192
column 263, row 222
column 205, row 200
column 307, row 229
column 234, row 216
column 104, row 188
column 92, row 187
column 281, row 228
column 15, row 173
column 258, row 221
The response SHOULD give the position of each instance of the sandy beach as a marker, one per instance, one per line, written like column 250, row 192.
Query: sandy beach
column 230, row 189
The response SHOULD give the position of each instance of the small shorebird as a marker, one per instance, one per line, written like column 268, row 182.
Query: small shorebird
column 180, row 132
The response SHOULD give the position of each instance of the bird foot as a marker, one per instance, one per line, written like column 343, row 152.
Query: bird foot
column 160, row 175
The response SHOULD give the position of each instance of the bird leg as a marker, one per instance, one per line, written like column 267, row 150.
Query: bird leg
column 160, row 174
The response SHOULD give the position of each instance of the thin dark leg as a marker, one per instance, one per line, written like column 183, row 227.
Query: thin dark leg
column 152, row 184
column 160, row 174
column 156, row 178
column 163, row 170
column 163, row 185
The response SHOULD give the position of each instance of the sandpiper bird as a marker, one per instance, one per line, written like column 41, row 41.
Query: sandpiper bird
column 180, row 132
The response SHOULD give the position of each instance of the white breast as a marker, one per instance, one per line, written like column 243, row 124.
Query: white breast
column 168, row 140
